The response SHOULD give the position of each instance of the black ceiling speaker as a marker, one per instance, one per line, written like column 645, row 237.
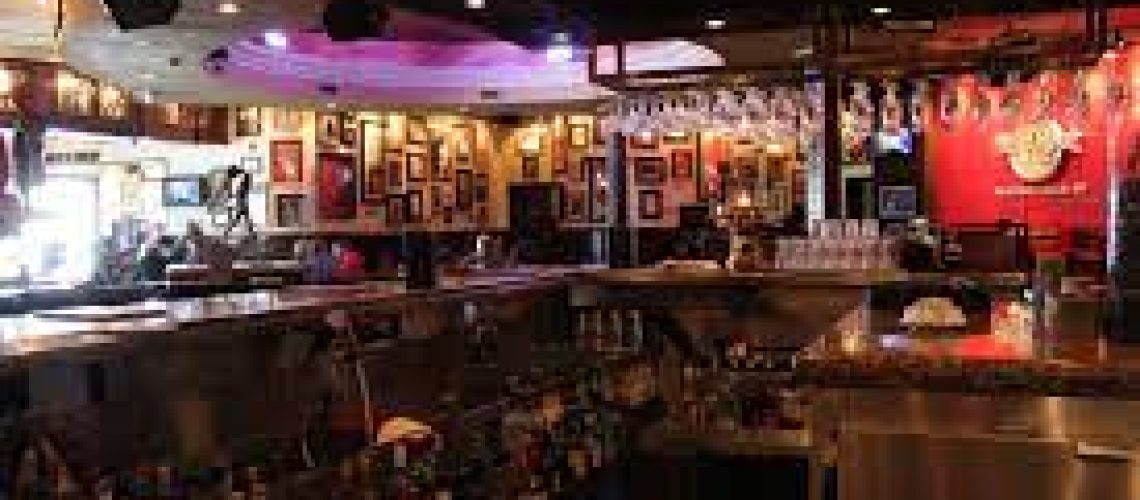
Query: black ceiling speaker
column 139, row 14
column 348, row 20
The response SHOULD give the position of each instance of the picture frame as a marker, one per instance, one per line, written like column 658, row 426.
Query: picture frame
column 898, row 202
column 649, row 170
column 337, row 189
column 579, row 135
column 589, row 168
column 394, row 167
column 674, row 139
column 396, row 209
column 650, row 204
column 287, row 160
column 248, row 122
column 530, row 167
column 481, row 191
column 643, row 141
column 348, row 129
column 416, row 131
column 464, row 190
column 184, row 191
column 575, row 205
column 289, row 210
column 371, row 158
column 440, row 168
column 681, row 161
column 436, row 198
column 415, row 207
column 288, row 121
column 329, row 128
column 416, row 167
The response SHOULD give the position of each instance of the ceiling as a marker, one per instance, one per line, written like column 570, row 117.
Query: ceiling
column 436, row 52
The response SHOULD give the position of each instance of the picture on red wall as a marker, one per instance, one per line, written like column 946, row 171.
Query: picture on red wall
column 336, row 186
column 682, row 160
column 287, row 158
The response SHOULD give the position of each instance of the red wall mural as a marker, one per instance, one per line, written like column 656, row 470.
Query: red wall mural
column 970, row 173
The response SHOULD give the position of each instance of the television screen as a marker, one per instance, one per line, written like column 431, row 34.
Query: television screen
column 901, row 142
column 185, row 191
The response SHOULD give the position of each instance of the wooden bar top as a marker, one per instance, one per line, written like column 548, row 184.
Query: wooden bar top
column 55, row 332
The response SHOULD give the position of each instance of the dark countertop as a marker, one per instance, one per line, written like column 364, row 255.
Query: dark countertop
column 1072, row 358
column 60, row 331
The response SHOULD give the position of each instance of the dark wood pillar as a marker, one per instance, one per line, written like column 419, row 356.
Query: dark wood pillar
column 832, row 100
column 621, row 234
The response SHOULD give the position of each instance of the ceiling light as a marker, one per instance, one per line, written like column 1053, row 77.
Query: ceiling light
column 275, row 39
column 331, row 105
column 802, row 52
column 141, row 43
column 147, row 76
column 560, row 50
column 715, row 23
column 228, row 8
column 476, row 4
column 880, row 11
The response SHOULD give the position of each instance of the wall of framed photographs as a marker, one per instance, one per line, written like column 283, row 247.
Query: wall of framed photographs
column 440, row 172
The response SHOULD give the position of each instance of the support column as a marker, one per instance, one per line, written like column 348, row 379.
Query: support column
column 832, row 140
column 622, row 236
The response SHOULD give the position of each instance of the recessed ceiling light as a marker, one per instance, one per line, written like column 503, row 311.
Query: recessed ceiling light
column 275, row 39
column 880, row 11
column 804, row 51
column 475, row 4
column 229, row 8
column 141, row 43
column 331, row 105
column 560, row 49
column 147, row 76
column 715, row 23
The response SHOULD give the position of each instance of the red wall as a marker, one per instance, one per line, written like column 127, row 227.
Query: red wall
column 965, row 164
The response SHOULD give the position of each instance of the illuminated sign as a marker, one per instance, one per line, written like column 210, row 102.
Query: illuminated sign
column 1035, row 150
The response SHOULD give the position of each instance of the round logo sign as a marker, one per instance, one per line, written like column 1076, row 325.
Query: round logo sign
column 1035, row 150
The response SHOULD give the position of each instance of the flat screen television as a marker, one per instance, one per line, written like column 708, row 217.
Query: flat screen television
column 184, row 191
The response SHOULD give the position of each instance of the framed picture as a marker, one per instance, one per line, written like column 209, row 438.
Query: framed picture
column 417, row 167
column 251, row 164
column 248, row 122
column 290, row 210
column 676, row 138
column 579, row 135
column 747, row 169
column 481, row 192
column 415, row 207
column 184, row 191
column 417, row 131
column 348, row 127
column 394, row 167
column 575, row 205
column 649, row 170
column 373, row 177
column 650, row 204
column 440, row 167
column 591, row 167
column 396, row 209
column 530, row 167
column 287, row 160
column 329, row 128
column 436, row 198
column 336, row 190
column 898, row 202
column 682, row 163
column 464, row 189
column 643, row 141
column 288, row 121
